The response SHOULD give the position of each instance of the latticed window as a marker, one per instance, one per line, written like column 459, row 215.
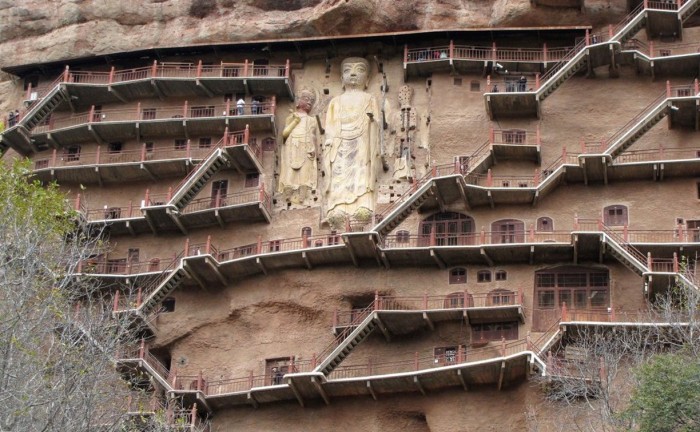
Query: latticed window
column 448, row 229
column 615, row 215
column 501, row 275
column 483, row 276
column 495, row 331
column 501, row 297
column 458, row 275
column 579, row 288
column 545, row 224
column 403, row 236
column 514, row 136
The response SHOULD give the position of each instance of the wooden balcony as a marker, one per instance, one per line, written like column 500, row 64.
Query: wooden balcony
column 669, row 60
column 163, row 80
column 662, row 18
column 106, row 167
column 515, row 144
column 403, row 315
column 184, row 121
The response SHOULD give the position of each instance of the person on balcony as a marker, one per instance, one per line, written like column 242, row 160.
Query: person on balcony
column 255, row 107
column 351, row 158
column 522, row 83
column 240, row 106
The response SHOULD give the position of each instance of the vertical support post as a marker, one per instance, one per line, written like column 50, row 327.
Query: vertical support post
column 147, row 197
column 111, row 76
column 187, row 247
column 668, row 88
column 188, row 149
column 66, row 74
column 536, row 179
column 651, row 48
column 492, row 135
column 452, row 50
column 28, row 95
column 286, row 69
column 532, row 233
column 425, row 300
column 92, row 114
column 564, row 312
column 415, row 360
column 649, row 260
column 143, row 152
column 697, row 86
column 489, row 178
column 646, row 4
column 405, row 54
column 483, row 236
column 154, row 69
column 493, row 53
column 116, row 301
column 503, row 346
column 544, row 53
column 625, row 233
column 250, row 379
column 610, row 31
column 131, row 208
column 246, row 134
column 97, row 155
column 54, row 156
column 676, row 267
column 138, row 111
column 377, row 300
column 465, row 300
column 259, row 245
column 537, row 81
column 245, row 68
column 274, row 104
column 184, row 110
column 170, row 193
column 208, row 245
column 199, row 69
column 432, row 238
column 228, row 109
column 224, row 139
column 588, row 37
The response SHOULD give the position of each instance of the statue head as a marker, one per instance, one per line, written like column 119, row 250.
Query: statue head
column 306, row 99
column 355, row 72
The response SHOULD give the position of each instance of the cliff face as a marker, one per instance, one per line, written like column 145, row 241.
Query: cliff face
column 36, row 30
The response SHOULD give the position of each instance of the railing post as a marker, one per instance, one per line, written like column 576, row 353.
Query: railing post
column 377, row 305
column 488, row 82
column 465, row 299
column 147, row 198
column 292, row 368
column 250, row 379
column 536, row 179
column 679, row 233
column 28, row 95
column 187, row 247
column 143, row 152
column 369, row 366
column 170, row 193
column 452, row 50
column 259, row 244
column 489, row 178
column 66, row 74
column 528, row 340
column 184, row 110
column 483, row 236
column 314, row 361
column 188, row 149
column 651, row 48
column 532, row 233
column 77, row 202
column 415, row 360
column 432, row 237
column 563, row 155
column 54, row 156
column 92, row 114
column 274, row 104
column 173, row 382
column 200, row 381
column 131, row 208
column 675, row 262
column 116, row 301
column 111, row 76
column 304, row 240
column 588, row 37
column 537, row 81
column 503, row 346
column 564, row 312
column 154, row 69
column 97, row 155
column 199, row 69
column 194, row 416
column 697, row 86
column 646, row 4
column 668, row 88
column 228, row 109
column 246, row 134
column 245, row 68
column 493, row 53
column 625, row 233
column 286, row 68
column 138, row 111
column 405, row 54
column 600, row 224
column 492, row 135
column 138, row 297
column 262, row 192
column 649, row 260
column 610, row 31
column 225, row 137
column 544, row 53
column 576, row 225
column 142, row 349
column 208, row 245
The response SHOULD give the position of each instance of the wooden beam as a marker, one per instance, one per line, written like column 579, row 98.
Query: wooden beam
column 486, row 257
column 293, row 386
column 216, row 271
column 201, row 85
column 130, row 228
column 219, row 219
column 385, row 260
column 460, row 375
column 192, row 275
column 371, row 390
column 175, row 216
column 306, row 259
column 575, row 241
column 532, row 254
column 95, row 135
column 501, row 375
column 382, row 327
column 320, row 390
column 261, row 264
column 252, row 401
column 157, row 89
column 434, row 255
column 148, row 171
column 462, row 193
column 428, row 321
column 353, row 257
column 490, row 196
column 418, row 384
column 116, row 93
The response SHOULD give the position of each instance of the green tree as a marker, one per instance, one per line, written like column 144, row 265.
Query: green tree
column 667, row 397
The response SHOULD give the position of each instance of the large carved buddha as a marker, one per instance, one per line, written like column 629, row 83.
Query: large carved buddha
column 351, row 156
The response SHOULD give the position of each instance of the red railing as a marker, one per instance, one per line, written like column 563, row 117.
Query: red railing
column 400, row 241
column 480, row 53
column 218, row 201
column 106, row 157
column 166, row 113
column 489, row 181
column 121, row 267
column 514, row 137
column 135, row 300
column 426, row 361
column 107, row 213
column 632, row 156
column 360, row 316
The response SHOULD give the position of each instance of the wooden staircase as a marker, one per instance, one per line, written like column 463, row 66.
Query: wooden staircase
column 346, row 346
column 164, row 288
column 198, row 178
